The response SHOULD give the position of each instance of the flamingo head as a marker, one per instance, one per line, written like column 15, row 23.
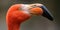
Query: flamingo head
column 40, row 9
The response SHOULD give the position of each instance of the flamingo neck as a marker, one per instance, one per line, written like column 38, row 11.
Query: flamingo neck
column 14, row 27
column 14, row 24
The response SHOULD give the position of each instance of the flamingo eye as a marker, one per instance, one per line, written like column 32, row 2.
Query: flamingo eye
column 34, row 6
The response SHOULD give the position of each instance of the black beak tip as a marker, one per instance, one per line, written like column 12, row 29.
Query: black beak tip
column 48, row 16
column 46, row 13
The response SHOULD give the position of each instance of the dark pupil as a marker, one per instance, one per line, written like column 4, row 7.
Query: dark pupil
column 34, row 6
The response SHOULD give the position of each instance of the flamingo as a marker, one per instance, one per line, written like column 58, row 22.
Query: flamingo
column 19, row 13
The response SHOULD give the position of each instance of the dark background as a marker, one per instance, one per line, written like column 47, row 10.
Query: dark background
column 35, row 23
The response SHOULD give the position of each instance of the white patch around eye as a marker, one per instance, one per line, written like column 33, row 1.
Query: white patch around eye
column 25, row 8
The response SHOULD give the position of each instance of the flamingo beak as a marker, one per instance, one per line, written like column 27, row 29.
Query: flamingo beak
column 46, row 13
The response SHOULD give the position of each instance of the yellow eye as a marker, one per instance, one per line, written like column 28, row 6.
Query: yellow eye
column 34, row 6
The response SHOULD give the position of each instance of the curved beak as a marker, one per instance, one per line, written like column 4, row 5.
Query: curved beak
column 46, row 13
